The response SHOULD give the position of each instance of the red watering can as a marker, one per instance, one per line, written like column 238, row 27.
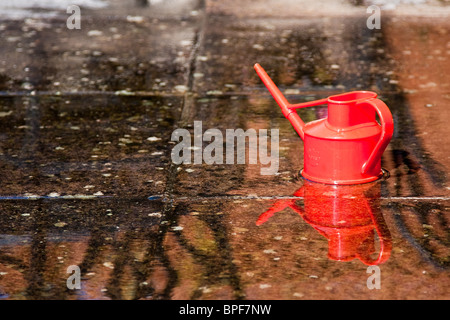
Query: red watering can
column 346, row 147
column 348, row 216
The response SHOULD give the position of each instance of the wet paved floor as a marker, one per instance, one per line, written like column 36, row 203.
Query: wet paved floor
column 86, row 118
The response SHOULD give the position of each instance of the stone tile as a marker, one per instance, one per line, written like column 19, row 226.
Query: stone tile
column 135, row 9
column 85, row 145
column 420, row 152
column 86, row 171
column 312, row 54
column 155, row 9
column 107, row 55
column 415, row 170
column 289, row 257
column 283, row 9
column 288, row 9
column 229, row 177
column 215, row 249
column 41, row 239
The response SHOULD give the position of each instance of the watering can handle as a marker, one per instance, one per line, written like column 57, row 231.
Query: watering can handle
column 387, row 129
column 385, row 242
column 287, row 108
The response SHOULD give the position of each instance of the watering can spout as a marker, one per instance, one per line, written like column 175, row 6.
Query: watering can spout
column 285, row 106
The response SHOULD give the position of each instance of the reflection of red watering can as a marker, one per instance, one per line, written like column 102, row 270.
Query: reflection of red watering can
column 345, row 147
column 348, row 216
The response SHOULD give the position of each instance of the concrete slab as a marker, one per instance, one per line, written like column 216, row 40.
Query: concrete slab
column 87, row 176
column 139, row 249
column 86, row 145
column 415, row 170
column 105, row 55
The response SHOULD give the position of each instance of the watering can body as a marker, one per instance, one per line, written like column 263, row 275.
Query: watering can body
column 346, row 146
column 348, row 216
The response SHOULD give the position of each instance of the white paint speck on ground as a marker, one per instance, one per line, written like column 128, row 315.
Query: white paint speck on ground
column 180, row 88
column 53, row 194
column 94, row 33
column 155, row 214
column 5, row 113
column 60, row 224
column 136, row 19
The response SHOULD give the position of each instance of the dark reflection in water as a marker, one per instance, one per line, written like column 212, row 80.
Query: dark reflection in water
column 125, row 250
column 142, row 3
column 348, row 216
